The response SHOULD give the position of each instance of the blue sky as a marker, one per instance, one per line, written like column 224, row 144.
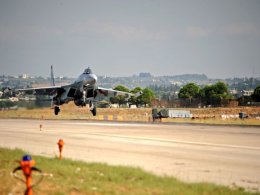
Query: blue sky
column 120, row 38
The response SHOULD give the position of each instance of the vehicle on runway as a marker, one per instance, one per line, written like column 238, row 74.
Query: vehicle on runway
column 83, row 91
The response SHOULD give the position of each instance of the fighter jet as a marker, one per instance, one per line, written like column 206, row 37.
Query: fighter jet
column 83, row 91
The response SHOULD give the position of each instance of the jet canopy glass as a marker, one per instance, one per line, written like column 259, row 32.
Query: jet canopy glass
column 88, row 71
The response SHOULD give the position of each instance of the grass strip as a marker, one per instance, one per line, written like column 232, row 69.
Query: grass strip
column 75, row 177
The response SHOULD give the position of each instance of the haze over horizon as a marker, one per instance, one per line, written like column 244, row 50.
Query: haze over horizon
column 220, row 39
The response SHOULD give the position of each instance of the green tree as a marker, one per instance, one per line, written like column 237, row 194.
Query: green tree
column 136, row 100
column 215, row 94
column 121, row 88
column 221, row 89
column 147, row 96
column 256, row 94
column 189, row 91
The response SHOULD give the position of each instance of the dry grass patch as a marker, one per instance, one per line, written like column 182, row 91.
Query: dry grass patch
column 202, row 115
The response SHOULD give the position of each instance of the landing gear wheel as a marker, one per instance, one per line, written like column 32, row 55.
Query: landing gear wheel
column 56, row 110
column 94, row 111
column 91, row 105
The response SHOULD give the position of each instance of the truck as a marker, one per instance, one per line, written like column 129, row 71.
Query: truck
column 170, row 113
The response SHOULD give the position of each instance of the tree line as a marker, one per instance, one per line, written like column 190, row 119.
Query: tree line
column 215, row 95
column 191, row 94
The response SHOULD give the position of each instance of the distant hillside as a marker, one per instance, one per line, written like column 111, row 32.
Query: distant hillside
column 189, row 77
column 146, row 79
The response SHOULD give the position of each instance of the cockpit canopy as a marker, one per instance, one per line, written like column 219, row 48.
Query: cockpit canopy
column 88, row 71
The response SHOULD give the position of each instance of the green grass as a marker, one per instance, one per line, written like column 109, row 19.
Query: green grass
column 74, row 177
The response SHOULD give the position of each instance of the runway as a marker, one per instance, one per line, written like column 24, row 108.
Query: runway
column 226, row 155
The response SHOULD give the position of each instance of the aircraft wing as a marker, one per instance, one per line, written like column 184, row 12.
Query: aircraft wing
column 113, row 93
column 51, row 90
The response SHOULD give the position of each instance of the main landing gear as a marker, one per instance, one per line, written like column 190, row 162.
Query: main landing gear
column 94, row 111
column 56, row 110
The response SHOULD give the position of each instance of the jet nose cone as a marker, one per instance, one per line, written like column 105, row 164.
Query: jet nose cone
column 93, row 78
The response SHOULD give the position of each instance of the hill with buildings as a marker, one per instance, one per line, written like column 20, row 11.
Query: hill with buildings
column 159, row 84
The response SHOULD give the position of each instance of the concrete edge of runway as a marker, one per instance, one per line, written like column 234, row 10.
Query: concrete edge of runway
column 142, row 122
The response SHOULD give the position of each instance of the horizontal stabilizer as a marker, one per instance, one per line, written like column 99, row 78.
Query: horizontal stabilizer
column 138, row 94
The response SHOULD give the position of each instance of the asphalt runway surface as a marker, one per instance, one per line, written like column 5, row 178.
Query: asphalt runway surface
column 227, row 155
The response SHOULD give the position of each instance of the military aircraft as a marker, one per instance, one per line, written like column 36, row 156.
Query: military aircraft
column 83, row 91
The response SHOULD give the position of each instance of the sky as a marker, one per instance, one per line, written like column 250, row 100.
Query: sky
column 219, row 38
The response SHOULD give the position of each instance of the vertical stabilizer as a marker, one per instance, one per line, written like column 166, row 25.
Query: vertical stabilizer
column 52, row 77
